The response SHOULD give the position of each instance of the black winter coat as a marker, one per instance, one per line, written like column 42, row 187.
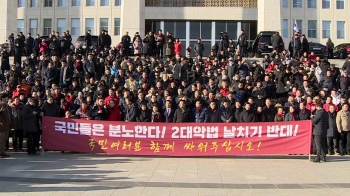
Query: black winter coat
column 182, row 115
column 320, row 122
column 332, row 130
column 36, row 43
column 226, row 114
column 51, row 110
column 29, row 119
column 13, row 77
column 30, row 43
column 214, row 116
column 256, row 93
column 248, row 116
column 144, row 116
column 269, row 114
column 5, row 60
column 50, row 76
column 99, row 116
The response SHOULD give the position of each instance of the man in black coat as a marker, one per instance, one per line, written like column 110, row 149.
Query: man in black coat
column 30, row 118
column 276, row 41
column 296, row 46
column 168, row 112
column 87, row 40
column 108, row 40
column 5, row 61
column 66, row 75
column 101, row 40
column 99, row 111
column 54, row 47
column 321, row 124
column 30, row 44
column 126, row 42
column 36, row 43
column 19, row 44
column 243, row 43
column 344, row 82
column 304, row 44
column 304, row 114
column 269, row 111
column 130, row 110
column 182, row 114
column 50, row 108
column 50, row 75
column 226, row 113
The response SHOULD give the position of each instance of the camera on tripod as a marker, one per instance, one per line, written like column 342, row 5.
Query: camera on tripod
column 224, row 40
column 223, row 35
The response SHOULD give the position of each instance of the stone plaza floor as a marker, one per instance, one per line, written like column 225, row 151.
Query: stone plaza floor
column 56, row 174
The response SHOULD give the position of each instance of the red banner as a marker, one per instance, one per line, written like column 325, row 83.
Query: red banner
column 176, row 139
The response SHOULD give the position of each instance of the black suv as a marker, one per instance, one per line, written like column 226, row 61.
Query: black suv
column 262, row 44
column 80, row 41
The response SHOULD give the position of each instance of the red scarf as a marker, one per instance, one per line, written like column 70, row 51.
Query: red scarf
column 212, row 111
column 144, row 80
column 70, row 98
column 57, row 95
column 100, row 107
column 280, row 115
column 78, row 64
column 84, row 110
column 17, row 106
column 292, row 113
column 65, row 107
column 198, row 109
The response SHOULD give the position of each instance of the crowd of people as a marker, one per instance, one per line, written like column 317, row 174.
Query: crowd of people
column 105, row 83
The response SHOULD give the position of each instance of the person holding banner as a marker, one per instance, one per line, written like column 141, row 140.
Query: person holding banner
column 321, row 124
column 99, row 112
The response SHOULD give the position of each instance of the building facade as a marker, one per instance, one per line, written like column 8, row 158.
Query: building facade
column 186, row 19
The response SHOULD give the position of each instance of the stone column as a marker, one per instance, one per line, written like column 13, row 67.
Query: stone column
column 269, row 15
column 8, row 19
column 133, row 17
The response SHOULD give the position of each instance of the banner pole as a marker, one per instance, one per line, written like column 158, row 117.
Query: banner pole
column 310, row 140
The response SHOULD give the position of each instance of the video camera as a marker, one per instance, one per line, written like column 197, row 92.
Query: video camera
column 223, row 35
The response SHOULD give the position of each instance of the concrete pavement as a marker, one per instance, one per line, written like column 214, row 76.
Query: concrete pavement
column 53, row 173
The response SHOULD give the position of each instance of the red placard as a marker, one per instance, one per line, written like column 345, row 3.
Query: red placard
column 176, row 139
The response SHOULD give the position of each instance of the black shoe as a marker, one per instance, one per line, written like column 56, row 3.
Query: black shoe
column 36, row 154
column 331, row 153
column 316, row 161
column 342, row 154
column 323, row 160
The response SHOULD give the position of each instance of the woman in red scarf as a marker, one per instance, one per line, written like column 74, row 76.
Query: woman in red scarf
column 156, row 116
column 279, row 117
column 70, row 98
column 291, row 115
column 115, row 114
column 224, row 89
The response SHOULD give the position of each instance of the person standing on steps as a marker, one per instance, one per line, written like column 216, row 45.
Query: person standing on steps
column 320, row 123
